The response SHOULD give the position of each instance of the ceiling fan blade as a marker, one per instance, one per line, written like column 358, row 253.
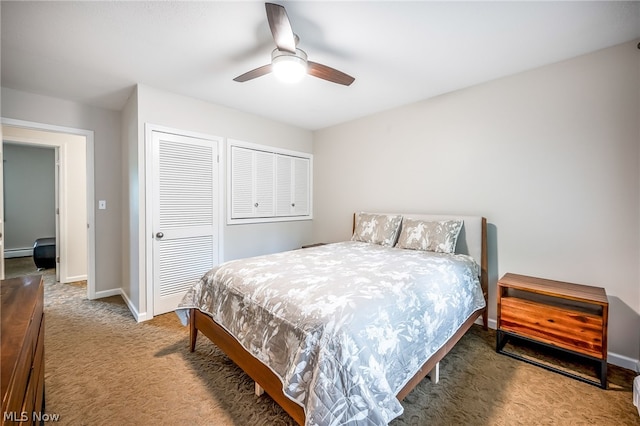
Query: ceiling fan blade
column 250, row 75
column 281, row 27
column 330, row 74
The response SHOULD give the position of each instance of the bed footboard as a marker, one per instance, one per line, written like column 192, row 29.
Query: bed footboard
column 431, row 363
column 260, row 373
column 266, row 380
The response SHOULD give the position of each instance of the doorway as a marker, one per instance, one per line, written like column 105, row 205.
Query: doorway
column 75, row 237
column 30, row 205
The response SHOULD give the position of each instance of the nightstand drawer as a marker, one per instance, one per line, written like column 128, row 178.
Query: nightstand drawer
column 565, row 328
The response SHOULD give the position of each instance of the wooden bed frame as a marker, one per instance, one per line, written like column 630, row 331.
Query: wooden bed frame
column 266, row 379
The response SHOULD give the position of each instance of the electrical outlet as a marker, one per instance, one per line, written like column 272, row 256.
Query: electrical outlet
column 102, row 204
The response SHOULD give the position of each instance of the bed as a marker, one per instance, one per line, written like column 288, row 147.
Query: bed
column 340, row 333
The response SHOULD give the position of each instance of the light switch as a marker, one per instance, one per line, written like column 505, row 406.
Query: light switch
column 102, row 204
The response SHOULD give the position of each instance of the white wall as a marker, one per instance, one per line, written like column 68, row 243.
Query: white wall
column 107, row 168
column 550, row 157
column 161, row 108
column 29, row 195
column 130, row 202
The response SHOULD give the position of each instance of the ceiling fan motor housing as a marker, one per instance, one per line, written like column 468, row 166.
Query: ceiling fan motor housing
column 289, row 66
column 282, row 55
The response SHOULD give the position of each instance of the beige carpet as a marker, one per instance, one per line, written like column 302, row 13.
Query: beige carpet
column 103, row 368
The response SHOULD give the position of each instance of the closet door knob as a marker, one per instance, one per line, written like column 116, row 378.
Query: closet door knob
column 159, row 235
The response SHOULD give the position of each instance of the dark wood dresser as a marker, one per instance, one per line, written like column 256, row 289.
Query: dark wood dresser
column 22, row 360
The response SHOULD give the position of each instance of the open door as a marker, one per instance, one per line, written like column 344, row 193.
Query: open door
column 57, row 210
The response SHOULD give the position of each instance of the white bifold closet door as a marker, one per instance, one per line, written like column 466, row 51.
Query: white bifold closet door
column 185, row 215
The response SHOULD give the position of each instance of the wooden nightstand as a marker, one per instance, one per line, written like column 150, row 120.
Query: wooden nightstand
column 568, row 317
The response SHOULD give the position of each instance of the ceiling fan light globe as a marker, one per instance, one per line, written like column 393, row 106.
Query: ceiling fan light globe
column 289, row 67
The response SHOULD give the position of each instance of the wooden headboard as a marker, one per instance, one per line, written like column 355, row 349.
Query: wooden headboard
column 472, row 241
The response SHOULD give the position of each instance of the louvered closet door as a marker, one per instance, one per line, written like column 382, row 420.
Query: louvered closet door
column 284, row 183
column 185, row 215
column 252, row 174
column 292, row 186
column 301, row 203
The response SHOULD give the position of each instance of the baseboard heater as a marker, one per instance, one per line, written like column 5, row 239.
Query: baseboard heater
column 18, row 252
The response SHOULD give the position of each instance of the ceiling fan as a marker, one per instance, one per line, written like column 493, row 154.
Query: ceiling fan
column 287, row 61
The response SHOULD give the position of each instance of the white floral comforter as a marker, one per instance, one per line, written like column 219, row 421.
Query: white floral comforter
column 344, row 325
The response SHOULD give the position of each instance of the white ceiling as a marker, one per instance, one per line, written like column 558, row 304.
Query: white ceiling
column 399, row 52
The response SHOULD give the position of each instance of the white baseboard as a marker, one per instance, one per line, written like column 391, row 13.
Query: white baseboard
column 491, row 323
column 18, row 252
column 143, row 316
column 73, row 279
column 118, row 292
column 623, row 361
column 139, row 316
column 108, row 293
column 130, row 305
